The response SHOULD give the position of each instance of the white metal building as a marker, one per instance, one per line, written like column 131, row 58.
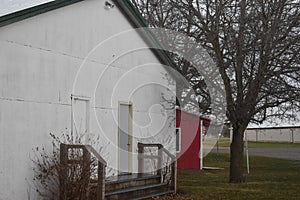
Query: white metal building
column 74, row 66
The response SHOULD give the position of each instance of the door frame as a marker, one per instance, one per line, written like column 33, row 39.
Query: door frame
column 130, row 138
column 87, row 101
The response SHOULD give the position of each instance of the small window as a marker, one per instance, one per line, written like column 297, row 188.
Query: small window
column 178, row 140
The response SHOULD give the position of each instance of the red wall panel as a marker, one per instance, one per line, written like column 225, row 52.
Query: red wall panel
column 189, row 156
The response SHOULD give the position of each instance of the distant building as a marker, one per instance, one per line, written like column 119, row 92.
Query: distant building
column 274, row 134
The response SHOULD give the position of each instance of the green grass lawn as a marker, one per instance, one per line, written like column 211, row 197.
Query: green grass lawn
column 225, row 142
column 269, row 178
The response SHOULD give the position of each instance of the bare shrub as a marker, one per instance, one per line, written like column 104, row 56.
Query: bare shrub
column 48, row 170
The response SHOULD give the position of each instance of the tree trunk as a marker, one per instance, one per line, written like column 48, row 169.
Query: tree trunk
column 237, row 155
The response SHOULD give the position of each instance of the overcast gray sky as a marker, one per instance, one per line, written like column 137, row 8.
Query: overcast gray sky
column 9, row 6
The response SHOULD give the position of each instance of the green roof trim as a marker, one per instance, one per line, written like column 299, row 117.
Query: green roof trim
column 33, row 11
column 139, row 20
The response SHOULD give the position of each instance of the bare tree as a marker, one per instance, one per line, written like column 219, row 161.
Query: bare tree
column 256, row 47
column 161, row 13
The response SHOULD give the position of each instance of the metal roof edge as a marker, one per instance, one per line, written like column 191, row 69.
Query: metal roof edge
column 191, row 113
column 34, row 11
column 137, row 21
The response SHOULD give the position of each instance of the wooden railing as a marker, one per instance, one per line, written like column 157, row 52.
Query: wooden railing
column 166, row 163
column 75, row 169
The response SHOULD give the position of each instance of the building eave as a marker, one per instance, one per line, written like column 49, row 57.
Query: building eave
column 137, row 21
column 194, row 114
column 34, row 11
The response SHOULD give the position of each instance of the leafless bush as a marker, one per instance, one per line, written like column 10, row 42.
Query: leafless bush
column 48, row 169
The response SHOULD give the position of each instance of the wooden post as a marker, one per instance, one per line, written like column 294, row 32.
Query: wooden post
column 86, row 171
column 159, row 161
column 63, row 172
column 140, row 159
column 174, row 175
column 101, row 181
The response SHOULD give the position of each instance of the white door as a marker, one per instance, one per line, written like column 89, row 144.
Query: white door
column 125, row 146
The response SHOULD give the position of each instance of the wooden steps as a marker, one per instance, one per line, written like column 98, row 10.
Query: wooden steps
column 124, row 187
column 134, row 186
column 148, row 196
column 127, row 181
column 136, row 191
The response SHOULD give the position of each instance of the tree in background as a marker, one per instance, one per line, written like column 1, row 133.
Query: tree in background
column 165, row 14
column 255, row 45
